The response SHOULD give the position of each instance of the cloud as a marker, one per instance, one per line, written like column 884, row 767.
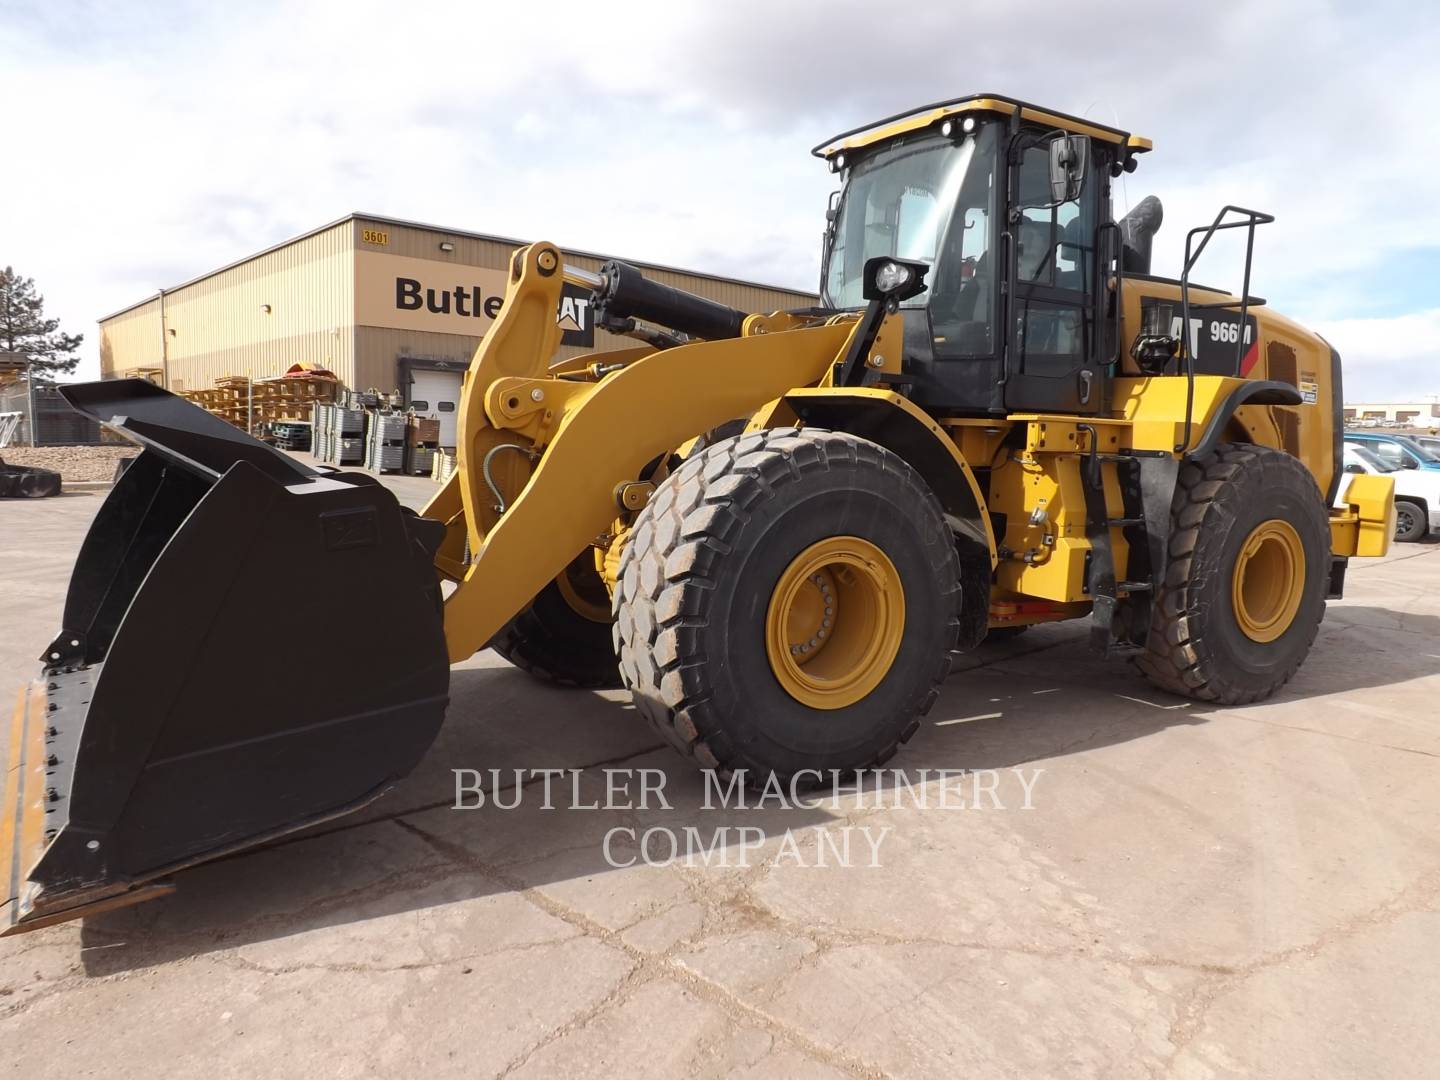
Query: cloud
column 1388, row 359
column 165, row 141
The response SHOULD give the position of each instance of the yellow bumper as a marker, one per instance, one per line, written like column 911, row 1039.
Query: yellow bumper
column 1365, row 525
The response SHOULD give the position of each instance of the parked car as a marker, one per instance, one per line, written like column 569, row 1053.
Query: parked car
column 1402, row 451
column 1417, row 492
column 1429, row 442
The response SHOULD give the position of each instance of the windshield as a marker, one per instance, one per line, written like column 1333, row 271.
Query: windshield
column 902, row 200
column 1359, row 453
column 1423, row 452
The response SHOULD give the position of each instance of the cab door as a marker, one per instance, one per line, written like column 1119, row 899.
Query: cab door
column 1052, row 344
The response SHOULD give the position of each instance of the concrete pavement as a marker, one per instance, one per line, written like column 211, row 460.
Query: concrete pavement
column 1192, row 892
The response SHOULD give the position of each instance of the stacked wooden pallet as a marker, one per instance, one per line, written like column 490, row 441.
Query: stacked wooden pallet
column 247, row 405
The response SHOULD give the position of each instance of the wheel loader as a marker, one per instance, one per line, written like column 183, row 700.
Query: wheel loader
column 774, row 529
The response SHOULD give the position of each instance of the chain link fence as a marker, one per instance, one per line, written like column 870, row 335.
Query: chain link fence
column 43, row 418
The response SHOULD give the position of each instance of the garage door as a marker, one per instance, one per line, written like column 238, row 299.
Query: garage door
column 437, row 394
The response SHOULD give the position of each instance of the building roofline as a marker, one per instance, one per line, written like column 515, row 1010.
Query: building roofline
column 357, row 215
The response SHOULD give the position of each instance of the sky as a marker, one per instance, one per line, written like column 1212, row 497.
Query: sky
column 148, row 143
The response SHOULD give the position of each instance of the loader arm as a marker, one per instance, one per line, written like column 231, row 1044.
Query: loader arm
column 604, row 433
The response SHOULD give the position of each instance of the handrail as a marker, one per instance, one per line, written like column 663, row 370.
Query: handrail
column 1251, row 219
column 1115, row 242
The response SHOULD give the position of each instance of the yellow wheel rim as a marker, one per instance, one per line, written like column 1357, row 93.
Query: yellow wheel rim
column 1269, row 580
column 835, row 622
column 584, row 590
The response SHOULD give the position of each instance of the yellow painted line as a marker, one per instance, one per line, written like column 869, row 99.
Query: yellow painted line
column 32, row 785
column 10, row 800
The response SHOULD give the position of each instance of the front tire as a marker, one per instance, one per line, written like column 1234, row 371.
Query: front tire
column 563, row 637
column 736, row 587
column 1245, row 584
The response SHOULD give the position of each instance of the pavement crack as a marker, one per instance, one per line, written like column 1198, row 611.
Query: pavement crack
column 647, row 967
column 1332, row 735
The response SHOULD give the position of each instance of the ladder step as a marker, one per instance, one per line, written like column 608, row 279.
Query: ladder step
column 1124, row 523
column 1132, row 586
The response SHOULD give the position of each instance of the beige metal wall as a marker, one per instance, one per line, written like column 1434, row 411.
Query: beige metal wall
column 219, row 325
column 379, row 347
column 131, row 340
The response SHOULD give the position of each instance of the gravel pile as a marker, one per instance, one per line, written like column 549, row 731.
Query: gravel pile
column 74, row 463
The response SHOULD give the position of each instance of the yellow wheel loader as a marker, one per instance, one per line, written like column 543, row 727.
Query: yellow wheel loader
column 774, row 528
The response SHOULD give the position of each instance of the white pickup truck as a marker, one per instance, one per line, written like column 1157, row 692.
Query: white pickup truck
column 1417, row 493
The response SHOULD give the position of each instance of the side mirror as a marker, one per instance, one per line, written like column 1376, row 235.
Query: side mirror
column 1354, row 468
column 1409, row 463
column 1069, row 162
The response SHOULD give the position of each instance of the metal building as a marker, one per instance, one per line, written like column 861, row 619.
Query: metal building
column 384, row 304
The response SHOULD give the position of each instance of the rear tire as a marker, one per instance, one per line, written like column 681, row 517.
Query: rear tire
column 708, row 562
column 557, row 643
column 1411, row 523
column 1245, row 583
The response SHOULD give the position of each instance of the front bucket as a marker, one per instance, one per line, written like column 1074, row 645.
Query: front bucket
column 249, row 647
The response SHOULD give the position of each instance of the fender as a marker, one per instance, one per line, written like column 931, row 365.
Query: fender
column 1251, row 392
column 896, row 423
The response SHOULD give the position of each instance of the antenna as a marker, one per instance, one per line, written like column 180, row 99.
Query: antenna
column 1115, row 122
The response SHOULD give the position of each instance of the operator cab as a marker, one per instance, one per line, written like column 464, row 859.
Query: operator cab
column 1009, row 207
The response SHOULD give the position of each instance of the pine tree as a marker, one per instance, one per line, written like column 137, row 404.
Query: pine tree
column 24, row 328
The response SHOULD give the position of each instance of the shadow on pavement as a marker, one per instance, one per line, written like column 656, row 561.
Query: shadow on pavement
column 1038, row 697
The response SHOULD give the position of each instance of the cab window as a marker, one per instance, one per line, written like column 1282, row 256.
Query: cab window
column 1392, row 454
column 1052, row 264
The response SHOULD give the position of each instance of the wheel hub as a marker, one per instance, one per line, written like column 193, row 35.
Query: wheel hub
column 1269, row 580
column 835, row 621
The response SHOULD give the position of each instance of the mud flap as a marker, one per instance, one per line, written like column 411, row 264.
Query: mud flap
column 248, row 647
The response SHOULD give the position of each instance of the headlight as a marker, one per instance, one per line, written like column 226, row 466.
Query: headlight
column 893, row 280
column 892, row 277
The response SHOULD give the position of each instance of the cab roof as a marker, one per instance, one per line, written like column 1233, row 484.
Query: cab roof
column 914, row 119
